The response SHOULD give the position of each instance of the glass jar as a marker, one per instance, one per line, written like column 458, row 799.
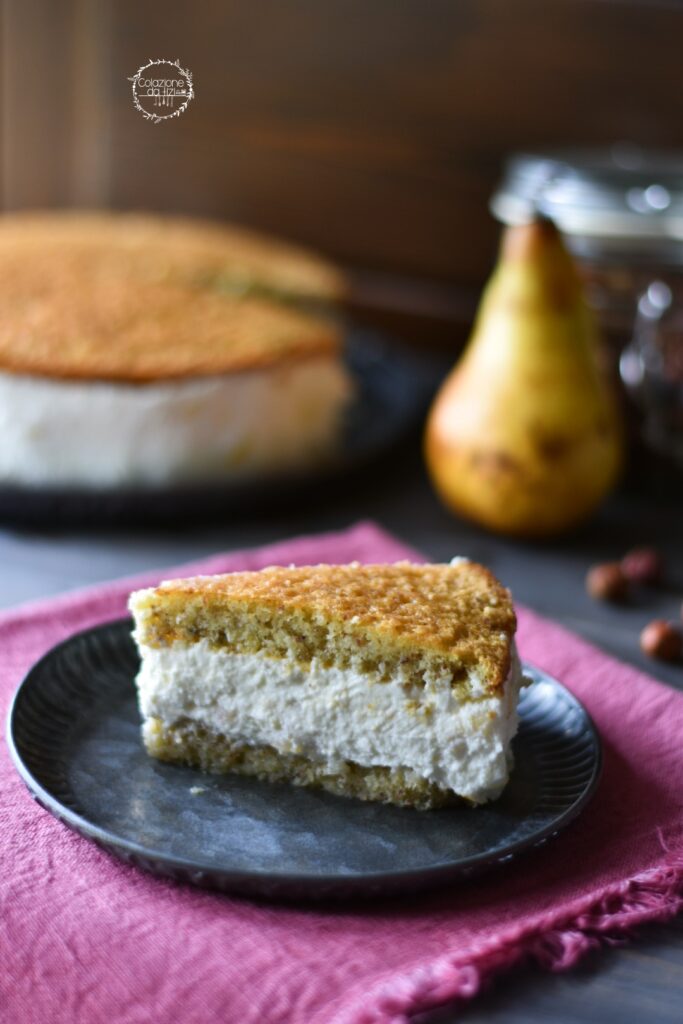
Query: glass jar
column 621, row 211
column 652, row 369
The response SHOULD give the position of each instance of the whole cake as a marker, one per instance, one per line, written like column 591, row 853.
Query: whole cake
column 144, row 350
column 396, row 683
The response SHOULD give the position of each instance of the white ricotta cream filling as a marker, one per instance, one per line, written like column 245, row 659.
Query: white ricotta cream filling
column 100, row 434
column 331, row 715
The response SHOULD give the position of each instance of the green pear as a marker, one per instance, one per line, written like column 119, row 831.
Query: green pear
column 524, row 435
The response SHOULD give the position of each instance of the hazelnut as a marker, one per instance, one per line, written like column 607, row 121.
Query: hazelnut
column 661, row 640
column 643, row 565
column 607, row 582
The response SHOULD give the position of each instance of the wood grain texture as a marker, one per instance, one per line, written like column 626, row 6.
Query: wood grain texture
column 373, row 130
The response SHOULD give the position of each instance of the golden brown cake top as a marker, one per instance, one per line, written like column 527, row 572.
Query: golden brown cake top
column 156, row 248
column 122, row 297
column 451, row 618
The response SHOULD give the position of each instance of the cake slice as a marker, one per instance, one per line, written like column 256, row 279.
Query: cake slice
column 396, row 683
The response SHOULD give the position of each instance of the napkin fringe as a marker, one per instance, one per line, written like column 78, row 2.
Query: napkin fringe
column 556, row 945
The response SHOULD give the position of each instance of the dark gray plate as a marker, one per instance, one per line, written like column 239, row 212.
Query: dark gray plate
column 74, row 735
column 394, row 386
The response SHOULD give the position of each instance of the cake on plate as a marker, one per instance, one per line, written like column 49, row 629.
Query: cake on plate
column 137, row 350
column 396, row 683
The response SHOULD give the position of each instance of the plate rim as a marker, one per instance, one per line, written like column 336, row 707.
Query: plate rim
column 457, row 870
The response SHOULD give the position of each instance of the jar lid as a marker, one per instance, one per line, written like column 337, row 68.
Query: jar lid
column 627, row 199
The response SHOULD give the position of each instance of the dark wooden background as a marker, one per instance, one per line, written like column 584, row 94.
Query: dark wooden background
column 373, row 129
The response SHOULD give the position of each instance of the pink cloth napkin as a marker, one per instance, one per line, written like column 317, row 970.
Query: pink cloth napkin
column 86, row 938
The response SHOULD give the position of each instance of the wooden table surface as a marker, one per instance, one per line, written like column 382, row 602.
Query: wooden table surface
column 639, row 982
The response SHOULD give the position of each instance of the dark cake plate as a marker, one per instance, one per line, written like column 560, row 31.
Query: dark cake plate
column 74, row 735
